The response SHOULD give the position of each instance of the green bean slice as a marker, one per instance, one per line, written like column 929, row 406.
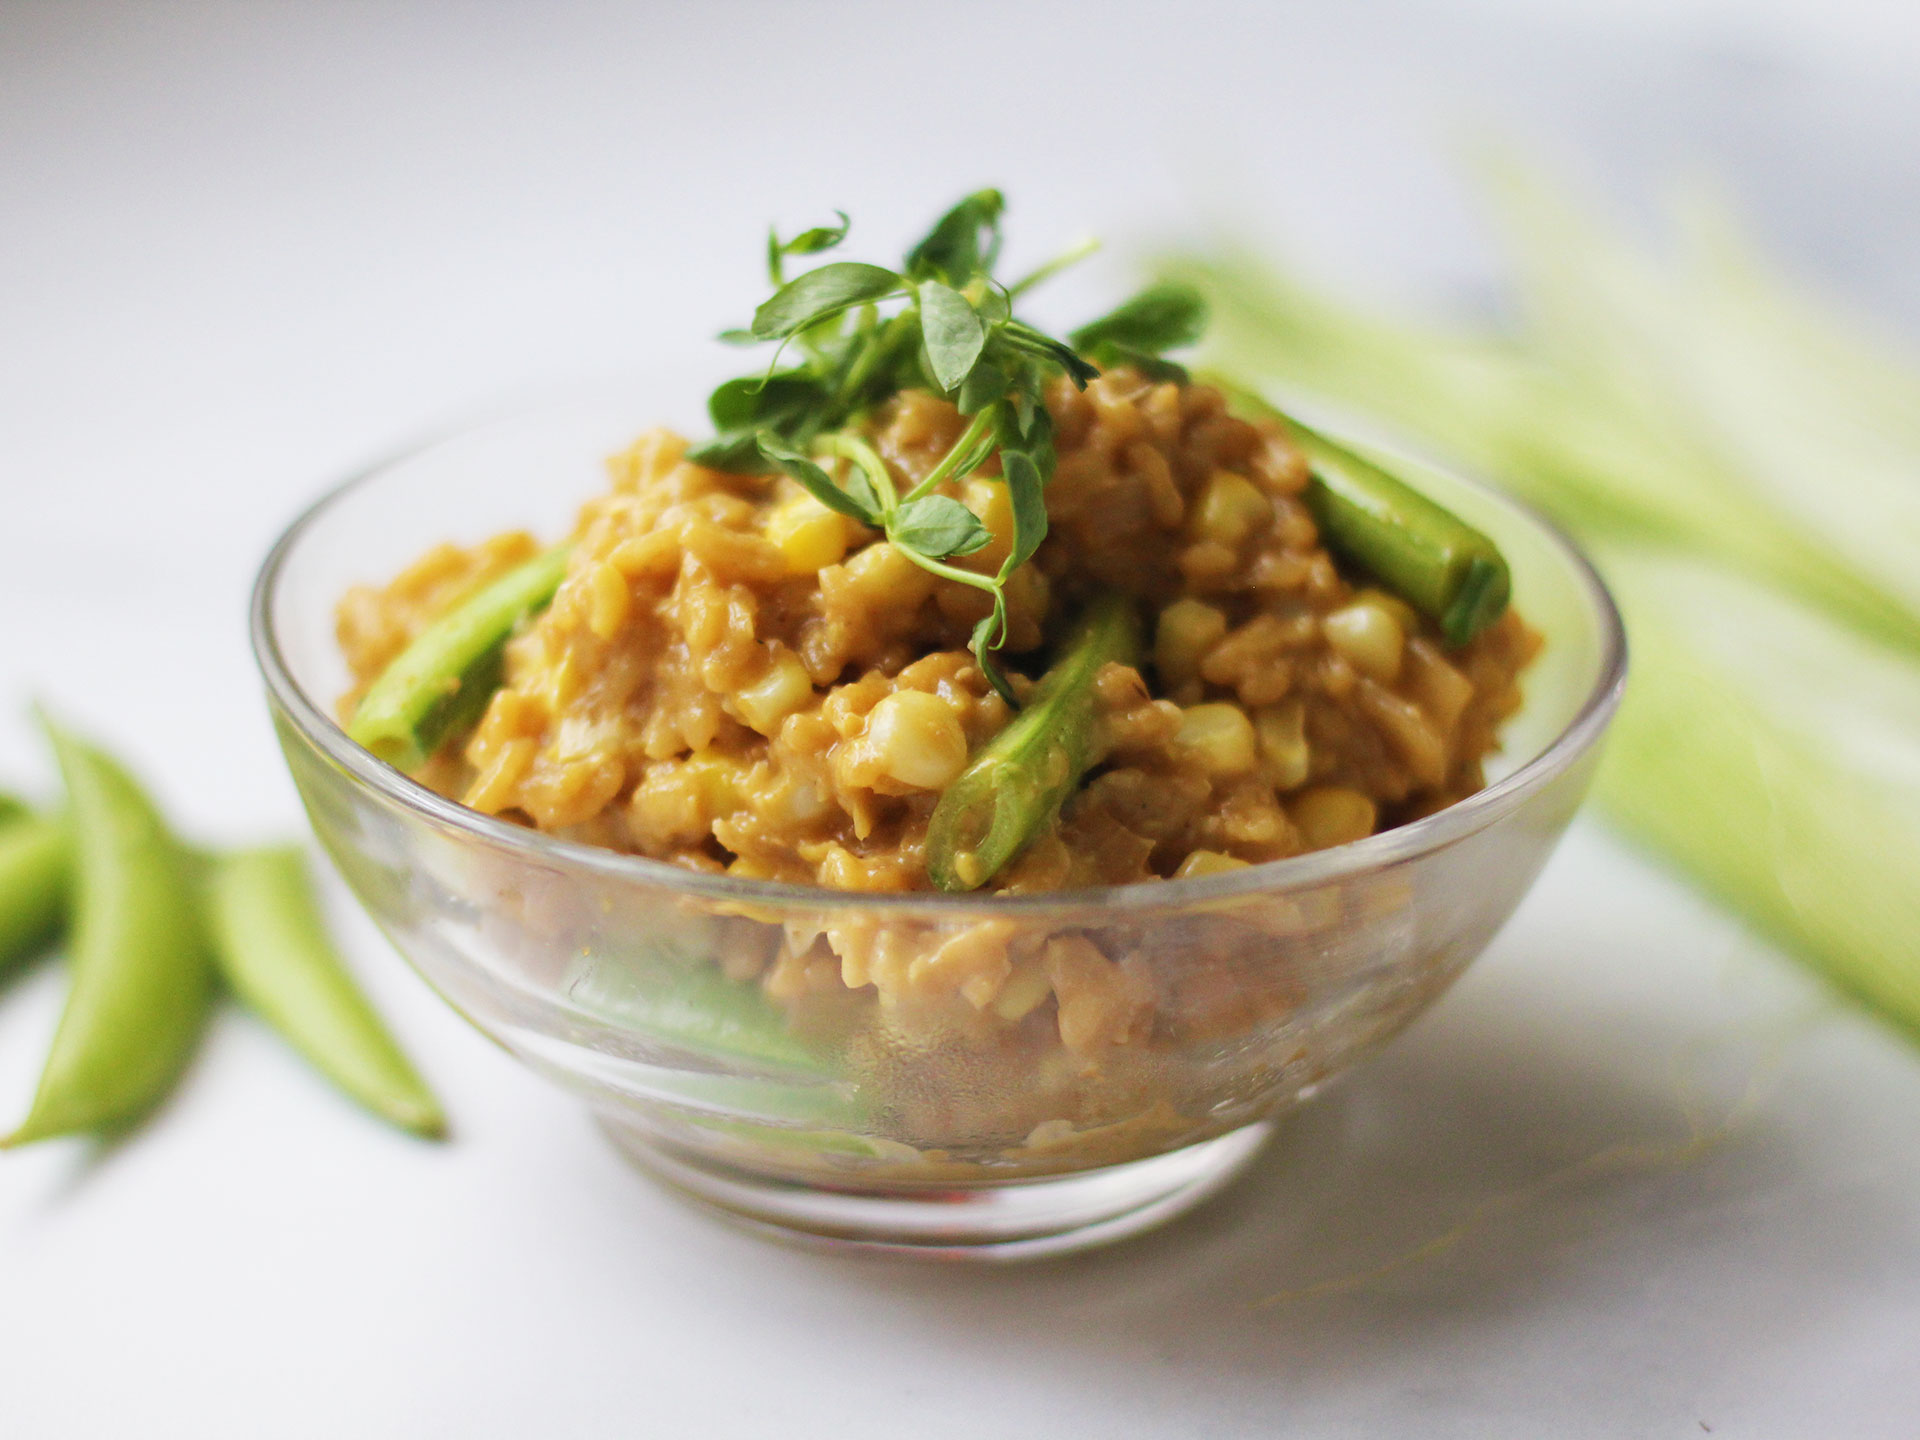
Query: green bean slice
column 1421, row 551
column 142, row 982
column 35, row 855
column 271, row 945
column 1417, row 548
column 1020, row 779
column 440, row 684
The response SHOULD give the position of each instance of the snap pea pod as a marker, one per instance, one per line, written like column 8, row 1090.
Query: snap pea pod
column 440, row 684
column 1421, row 551
column 34, row 857
column 1021, row 777
column 143, row 984
column 271, row 946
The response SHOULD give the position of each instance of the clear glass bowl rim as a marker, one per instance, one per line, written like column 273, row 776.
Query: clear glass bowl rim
column 1317, row 868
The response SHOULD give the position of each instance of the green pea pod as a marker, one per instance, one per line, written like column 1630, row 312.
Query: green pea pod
column 1421, row 551
column 34, row 859
column 1021, row 777
column 1417, row 548
column 143, row 984
column 440, row 684
column 271, row 945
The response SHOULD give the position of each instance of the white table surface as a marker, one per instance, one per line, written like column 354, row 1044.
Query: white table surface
column 1636, row 1176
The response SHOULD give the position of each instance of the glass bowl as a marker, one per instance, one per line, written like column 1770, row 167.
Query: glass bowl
column 1129, row 1048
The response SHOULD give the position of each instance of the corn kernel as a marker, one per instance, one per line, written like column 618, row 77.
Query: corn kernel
column 1222, row 736
column 1230, row 507
column 1332, row 815
column 1208, row 862
column 1368, row 636
column 717, row 779
column 882, row 574
column 1285, row 757
column 608, row 601
column 785, row 688
column 1399, row 609
column 916, row 739
column 808, row 534
column 1023, row 992
column 1187, row 630
column 992, row 505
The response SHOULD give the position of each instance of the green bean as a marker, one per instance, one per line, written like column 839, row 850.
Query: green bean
column 1021, row 777
column 271, row 946
column 440, row 684
column 1424, row 553
column 142, row 981
column 34, row 858
column 1418, row 549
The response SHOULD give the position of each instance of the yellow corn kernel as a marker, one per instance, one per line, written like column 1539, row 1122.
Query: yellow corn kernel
column 718, row 780
column 1023, row 992
column 608, row 601
column 1441, row 691
column 992, row 505
column 785, row 688
column 808, row 534
column 1208, row 862
column 1285, row 757
column 1222, row 736
column 1368, row 637
column 1230, row 507
column 1408, row 617
column 1187, row 630
column 882, row 575
column 915, row 738
column 1332, row 815
column 795, row 800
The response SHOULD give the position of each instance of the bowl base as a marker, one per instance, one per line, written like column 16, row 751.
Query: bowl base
column 1018, row 1220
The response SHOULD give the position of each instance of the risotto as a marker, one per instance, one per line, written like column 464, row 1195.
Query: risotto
column 734, row 677
column 776, row 668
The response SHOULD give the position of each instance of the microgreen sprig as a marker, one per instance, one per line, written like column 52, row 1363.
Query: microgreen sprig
column 941, row 322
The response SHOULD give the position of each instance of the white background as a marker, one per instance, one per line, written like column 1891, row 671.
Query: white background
column 1635, row 1177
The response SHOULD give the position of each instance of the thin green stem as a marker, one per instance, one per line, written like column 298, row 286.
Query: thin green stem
column 1066, row 259
column 953, row 572
column 959, row 458
column 850, row 447
column 873, row 353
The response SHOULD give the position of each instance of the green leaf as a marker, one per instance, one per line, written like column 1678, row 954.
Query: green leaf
column 937, row 527
column 1026, row 488
column 1150, row 366
column 964, row 242
column 820, row 294
column 986, row 383
column 856, row 500
column 952, row 333
column 753, row 402
column 1161, row 317
column 1025, row 337
column 735, row 451
column 807, row 242
column 738, row 336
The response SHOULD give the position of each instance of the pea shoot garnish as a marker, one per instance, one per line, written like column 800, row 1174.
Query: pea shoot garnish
column 941, row 322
